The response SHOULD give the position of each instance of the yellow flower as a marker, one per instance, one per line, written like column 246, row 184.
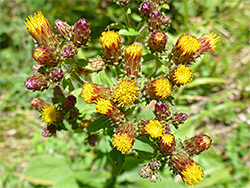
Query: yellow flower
column 110, row 41
column 126, row 92
column 40, row 29
column 123, row 142
column 192, row 174
column 208, row 42
column 103, row 106
column 157, row 41
column 162, row 88
column 167, row 144
column 185, row 49
column 133, row 51
column 154, row 128
column 91, row 92
column 181, row 75
column 167, row 139
column 50, row 114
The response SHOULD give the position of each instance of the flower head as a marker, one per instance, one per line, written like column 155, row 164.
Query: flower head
column 107, row 108
column 37, row 82
column 185, row 49
column 39, row 104
column 56, row 75
column 178, row 118
column 91, row 92
column 197, row 144
column 157, row 41
column 50, row 115
column 69, row 50
column 208, row 42
column 190, row 172
column 80, row 34
column 64, row 29
column 167, row 144
column 146, row 8
column 46, row 56
column 126, row 92
column 162, row 111
column 181, row 75
column 154, row 128
column 154, row 21
column 111, row 43
column 133, row 55
column 123, row 139
column 68, row 103
column 39, row 28
column 160, row 88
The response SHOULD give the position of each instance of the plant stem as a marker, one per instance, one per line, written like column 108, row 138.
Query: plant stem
column 157, row 64
column 126, row 18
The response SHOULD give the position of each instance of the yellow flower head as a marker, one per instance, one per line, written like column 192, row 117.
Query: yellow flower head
column 50, row 114
column 91, row 92
column 167, row 139
column 157, row 41
column 103, row 106
column 188, row 45
column 133, row 51
column 206, row 141
column 162, row 88
column 123, row 142
column 154, row 128
column 110, row 39
column 208, row 42
column 181, row 75
column 126, row 92
column 192, row 173
column 40, row 29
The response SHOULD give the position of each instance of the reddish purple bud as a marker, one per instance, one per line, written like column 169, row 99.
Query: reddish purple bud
column 154, row 177
column 145, row 171
column 81, row 33
column 92, row 139
column 97, row 63
column 69, row 51
column 49, row 131
column 154, row 21
column 155, row 164
column 68, row 103
column 165, row 20
column 178, row 118
column 46, row 56
column 157, row 41
column 64, row 29
column 39, row 104
column 162, row 111
column 56, row 75
column 146, row 8
column 37, row 82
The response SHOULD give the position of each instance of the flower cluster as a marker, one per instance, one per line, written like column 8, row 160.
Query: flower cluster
column 131, row 90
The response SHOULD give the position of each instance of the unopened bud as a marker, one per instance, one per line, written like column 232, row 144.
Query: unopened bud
column 64, row 29
column 157, row 41
column 46, row 56
column 178, row 118
column 69, row 103
column 155, row 164
column 56, row 75
column 154, row 21
column 154, row 177
column 162, row 111
column 146, row 8
column 39, row 104
column 37, row 82
column 69, row 51
column 49, row 131
column 92, row 139
column 81, row 33
column 145, row 171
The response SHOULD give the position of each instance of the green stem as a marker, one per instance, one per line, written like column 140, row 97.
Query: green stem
column 77, row 78
column 157, row 64
column 126, row 18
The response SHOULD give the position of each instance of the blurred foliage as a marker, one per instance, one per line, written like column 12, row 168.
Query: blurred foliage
column 217, row 101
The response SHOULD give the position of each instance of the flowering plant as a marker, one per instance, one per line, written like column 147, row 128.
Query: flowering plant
column 124, row 89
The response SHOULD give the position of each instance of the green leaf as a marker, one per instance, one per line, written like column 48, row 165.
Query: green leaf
column 117, row 159
column 148, row 114
column 101, row 123
column 204, row 81
column 67, row 84
column 128, row 32
column 166, row 6
column 82, row 62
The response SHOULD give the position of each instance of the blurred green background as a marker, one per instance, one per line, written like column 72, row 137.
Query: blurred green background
column 217, row 100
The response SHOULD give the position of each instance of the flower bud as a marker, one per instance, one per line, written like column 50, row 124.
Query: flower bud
column 154, row 177
column 178, row 118
column 69, row 50
column 155, row 164
column 46, row 56
column 145, row 171
column 92, row 139
column 154, row 21
column 167, row 144
column 63, row 29
column 97, row 63
column 68, row 103
column 197, row 144
column 162, row 111
column 146, row 8
column 157, row 41
column 81, row 33
column 165, row 20
column 208, row 42
column 39, row 104
column 37, row 82
column 56, row 75
column 49, row 131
